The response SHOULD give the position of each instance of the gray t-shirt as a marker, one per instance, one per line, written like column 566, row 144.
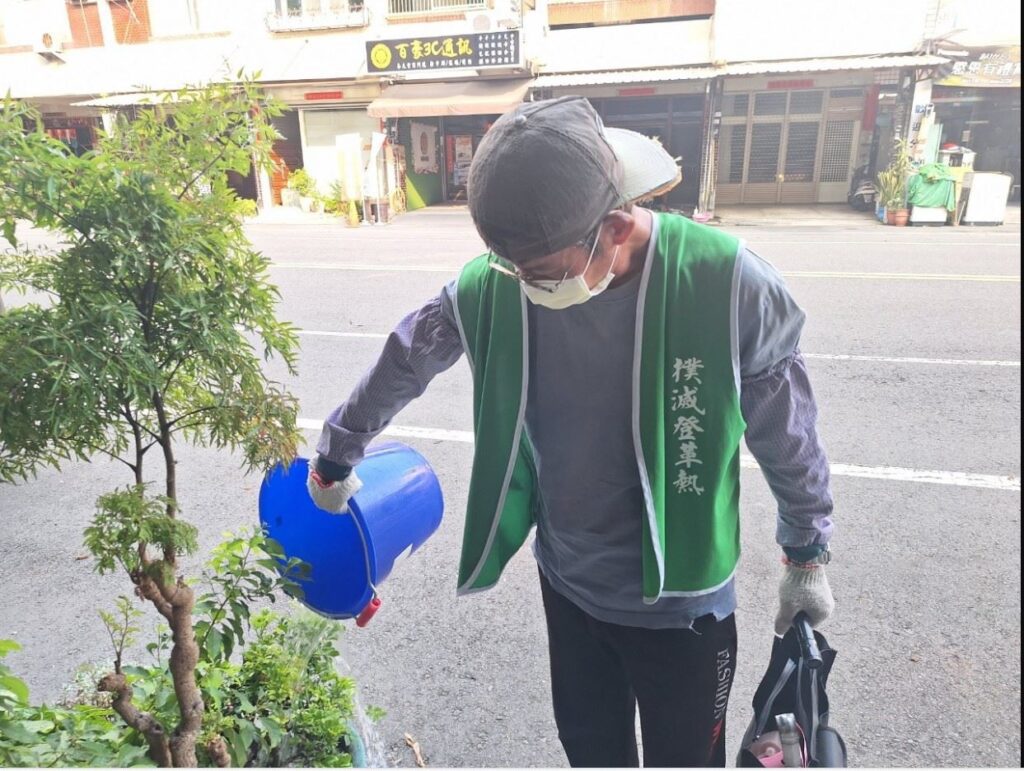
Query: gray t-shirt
column 579, row 419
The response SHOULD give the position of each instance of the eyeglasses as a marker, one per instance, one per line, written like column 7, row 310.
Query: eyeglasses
column 549, row 285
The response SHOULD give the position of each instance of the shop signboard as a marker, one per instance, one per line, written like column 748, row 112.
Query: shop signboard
column 475, row 51
column 992, row 68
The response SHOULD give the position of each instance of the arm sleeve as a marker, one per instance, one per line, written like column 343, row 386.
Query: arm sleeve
column 778, row 404
column 424, row 344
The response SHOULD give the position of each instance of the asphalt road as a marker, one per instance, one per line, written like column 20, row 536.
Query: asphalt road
column 913, row 342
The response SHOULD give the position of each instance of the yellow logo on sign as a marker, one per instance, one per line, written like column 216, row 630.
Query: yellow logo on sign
column 380, row 56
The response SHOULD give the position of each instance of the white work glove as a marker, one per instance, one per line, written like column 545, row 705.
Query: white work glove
column 803, row 587
column 332, row 497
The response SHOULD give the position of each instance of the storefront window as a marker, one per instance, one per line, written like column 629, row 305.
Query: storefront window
column 770, row 103
column 736, row 105
column 806, row 102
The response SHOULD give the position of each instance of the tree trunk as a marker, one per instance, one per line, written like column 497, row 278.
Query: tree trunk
column 184, row 657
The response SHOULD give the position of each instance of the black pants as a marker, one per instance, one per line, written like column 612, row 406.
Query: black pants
column 600, row 673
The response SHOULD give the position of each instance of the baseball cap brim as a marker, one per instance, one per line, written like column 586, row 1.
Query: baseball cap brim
column 648, row 169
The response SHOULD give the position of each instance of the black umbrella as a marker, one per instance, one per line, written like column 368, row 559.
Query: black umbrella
column 794, row 685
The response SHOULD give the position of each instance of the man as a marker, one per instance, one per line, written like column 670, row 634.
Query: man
column 618, row 357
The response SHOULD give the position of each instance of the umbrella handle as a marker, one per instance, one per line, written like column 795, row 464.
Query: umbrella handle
column 808, row 644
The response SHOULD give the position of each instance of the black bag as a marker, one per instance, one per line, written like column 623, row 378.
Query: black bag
column 795, row 683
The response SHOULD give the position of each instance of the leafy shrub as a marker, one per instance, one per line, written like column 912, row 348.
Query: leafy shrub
column 158, row 315
column 247, row 207
column 337, row 203
column 82, row 735
column 279, row 702
column 301, row 182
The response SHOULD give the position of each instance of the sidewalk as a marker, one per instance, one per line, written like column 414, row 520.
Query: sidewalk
column 816, row 215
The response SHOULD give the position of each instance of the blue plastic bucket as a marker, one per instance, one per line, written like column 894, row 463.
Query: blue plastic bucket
column 398, row 508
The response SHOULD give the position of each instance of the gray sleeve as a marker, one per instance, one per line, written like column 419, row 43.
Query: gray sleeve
column 424, row 344
column 781, row 414
column 769, row 321
column 778, row 404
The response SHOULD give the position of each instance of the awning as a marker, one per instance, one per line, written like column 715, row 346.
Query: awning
column 467, row 97
column 130, row 100
column 739, row 69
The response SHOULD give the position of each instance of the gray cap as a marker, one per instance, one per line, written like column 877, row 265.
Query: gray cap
column 547, row 173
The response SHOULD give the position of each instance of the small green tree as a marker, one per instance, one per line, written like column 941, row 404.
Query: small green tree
column 148, row 329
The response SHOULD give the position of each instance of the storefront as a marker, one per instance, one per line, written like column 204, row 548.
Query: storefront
column 436, row 126
column 79, row 134
column 792, row 139
column 672, row 111
column 674, row 120
column 318, row 115
column 978, row 107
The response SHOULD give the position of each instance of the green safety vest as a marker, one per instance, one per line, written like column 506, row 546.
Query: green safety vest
column 687, row 423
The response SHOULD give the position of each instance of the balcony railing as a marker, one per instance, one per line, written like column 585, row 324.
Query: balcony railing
column 431, row 7
column 317, row 14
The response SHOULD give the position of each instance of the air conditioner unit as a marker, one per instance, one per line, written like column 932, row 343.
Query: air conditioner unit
column 49, row 47
column 481, row 22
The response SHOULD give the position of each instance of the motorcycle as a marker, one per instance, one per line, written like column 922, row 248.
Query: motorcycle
column 863, row 194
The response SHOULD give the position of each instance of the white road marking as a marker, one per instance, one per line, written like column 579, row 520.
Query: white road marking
column 886, row 473
column 373, row 267
column 827, row 356
column 900, row 276
column 390, row 268
column 366, row 335
column 912, row 360
column 811, row 242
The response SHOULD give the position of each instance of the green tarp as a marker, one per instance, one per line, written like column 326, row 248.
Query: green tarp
column 932, row 186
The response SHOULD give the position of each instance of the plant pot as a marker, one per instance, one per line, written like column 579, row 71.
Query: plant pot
column 900, row 217
column 309, row 204
column 290, row 197
column 890, row 216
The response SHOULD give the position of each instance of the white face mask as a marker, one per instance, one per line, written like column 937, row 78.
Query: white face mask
column 557, row 295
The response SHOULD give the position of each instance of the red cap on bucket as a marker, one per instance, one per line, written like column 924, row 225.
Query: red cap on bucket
column 368, row 612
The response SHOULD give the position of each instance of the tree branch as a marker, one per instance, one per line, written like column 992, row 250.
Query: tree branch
column 207, row 167
column 171, row 485
column 55, row 213
column 108, row 453
column 194, row 412
column 217, row 749
column 136, row 423
column 143, row 722
column 147, row 589
column 215, row 618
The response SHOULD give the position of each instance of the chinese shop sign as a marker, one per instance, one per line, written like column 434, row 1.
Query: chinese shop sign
column 999, row 68
column 475, row 51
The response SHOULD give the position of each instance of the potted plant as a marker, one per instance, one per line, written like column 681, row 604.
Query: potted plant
column 889, row 194
column 303, row 184
column 892, row 185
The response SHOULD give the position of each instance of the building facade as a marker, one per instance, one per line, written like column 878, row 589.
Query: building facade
column 762, row 101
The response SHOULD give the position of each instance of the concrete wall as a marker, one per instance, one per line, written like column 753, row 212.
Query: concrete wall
column 755, row 30
column 24, row 21
column 170, row 60
column 658, row 44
